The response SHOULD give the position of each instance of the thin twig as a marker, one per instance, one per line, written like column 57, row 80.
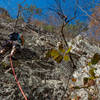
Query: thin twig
column 62, row 34
column 18, row 14
column 87, row 13
column 17, row 18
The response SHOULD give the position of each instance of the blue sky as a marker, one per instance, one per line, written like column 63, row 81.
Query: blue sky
column 12, row 5
column 68, row 7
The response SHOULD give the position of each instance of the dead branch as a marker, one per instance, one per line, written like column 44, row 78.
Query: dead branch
column 87, row 13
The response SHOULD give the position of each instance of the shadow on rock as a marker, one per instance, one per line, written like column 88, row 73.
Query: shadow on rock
column 26, row 54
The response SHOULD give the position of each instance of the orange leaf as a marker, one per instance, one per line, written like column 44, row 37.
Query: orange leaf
column 74, row 79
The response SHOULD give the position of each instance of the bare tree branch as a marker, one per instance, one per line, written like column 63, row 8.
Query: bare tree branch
column 87, row 13
column 18, row 14
column 66, row 21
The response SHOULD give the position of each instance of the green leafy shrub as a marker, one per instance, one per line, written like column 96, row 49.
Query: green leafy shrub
column 59, row 55
column 95, row 59
column 49, row 28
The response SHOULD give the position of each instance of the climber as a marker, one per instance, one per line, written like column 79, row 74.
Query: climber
column 13, row 43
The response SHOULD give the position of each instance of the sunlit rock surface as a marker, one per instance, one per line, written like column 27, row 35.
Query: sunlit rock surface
column 44, row 79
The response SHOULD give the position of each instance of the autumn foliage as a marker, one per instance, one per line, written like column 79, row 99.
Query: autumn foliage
column 95, row 24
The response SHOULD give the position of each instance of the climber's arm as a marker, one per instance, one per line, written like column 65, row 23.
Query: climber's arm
column 2, row 51
column 13, row 50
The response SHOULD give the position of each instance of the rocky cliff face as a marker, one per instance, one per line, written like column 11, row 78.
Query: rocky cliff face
column 41, row 78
